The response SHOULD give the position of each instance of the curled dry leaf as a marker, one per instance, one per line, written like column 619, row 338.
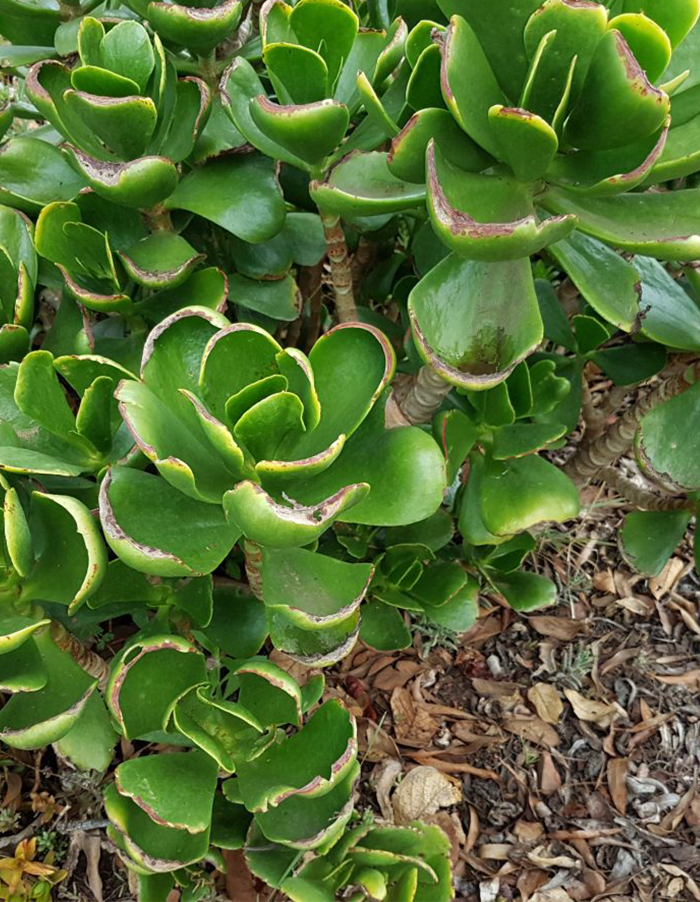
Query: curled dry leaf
column 556, row 627
column 413, row 725
column 422, row 792
column 592, row 711
column 546, row 701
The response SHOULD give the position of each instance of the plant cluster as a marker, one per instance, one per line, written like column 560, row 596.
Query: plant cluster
column 506, row 197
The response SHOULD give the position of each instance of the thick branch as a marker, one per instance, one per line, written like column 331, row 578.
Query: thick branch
column 341, row 273
column 425, row 393
column 618, row 438
column 91, row 662
column 253, row 567
column 639, row 497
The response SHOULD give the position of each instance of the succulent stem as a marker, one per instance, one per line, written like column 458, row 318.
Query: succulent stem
column 642, row 498
column 591, row 457
column 425, row 393
column 253, row 567
column 341, row 273
column 89, row 660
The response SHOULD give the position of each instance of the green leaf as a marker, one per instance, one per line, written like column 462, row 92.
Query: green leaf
column 524, row 438
column 474, row 321
column 126, row 49
column 123, row 124
column 198, row 28
column 23, row 670
column 310, row 589
column 665, row 441
column 270, row 693
column 72, row 558
column 240, row 193
column 606, row 281
column 141, row 183
column 526, row 591
column 163, row 260
column 524, row 491
column 648, row 538
column 152, row 846
column 309, row 131
column 238, row 625
column 309, row 823
column 648, row 42
column 328, row 27
column 469, row 85
column 676, row 17
column 277, row 298
column 618, row 104
column 406, row 158
column 142, row 517
column 34, row 173
column 671, row 316
column 18, row 537
column 382, row 627
column 15, row 629
column 423, row 89
column 138, row 697
column 308, row 764
column 285, row 525
column 526, row 141
column 486, row 217
column 89, row 744
column 631, row 363
column 38, row 394
column 35, row 719
column 175, row 790
column 362, row 185
column 300, row 75
column 665, row 225
column 456, row 434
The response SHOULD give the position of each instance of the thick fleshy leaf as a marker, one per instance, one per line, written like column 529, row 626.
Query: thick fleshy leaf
column 486, row 217
column 238, row 624
column 469, row 85
column 327, row 26
column 311, row 591
column 606, row 281
column 270, row 693
column 198, row 28
column 137, row 695
column 309, row 131
column 239, row 85
column 648, row 538
column 23, row 670
column 666, row 440
column 18, row 536
column 34, row 173
column 72, row 558
column 123, row 124
column 676, row 17
column 141, row 183
column 223, row 729
column 526, row 141
column 163, row 260
column 606, row 173
column 460, row 612
column 90, row 742
column 152, row 846
column 363, row 185
column 277, row 298
column 526, row 591
column 309, row 823
column 524, row 438
column 142, row 518
column 665, row 225
column 681, row 154
column 618, row 104
column 299, row 74
column 523, row 491
column 15, row 629
column 474, row 321
column 351, row 364
column 456, row 434
column 631, row 363
column 35, row 719
column 240, row 193
column 671, row 316
column 209, row 286
column 175, row 790
column 308, row 764
column 260, row 518
column 648, row 42
column 406, row 158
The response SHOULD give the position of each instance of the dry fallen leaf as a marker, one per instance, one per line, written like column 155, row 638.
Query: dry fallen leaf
column 412, row 723
column 617, row 782
column 541, row 859
column 591, row 710
column 423, row 791
column 549, row 779
column 533, row 729
column 690, row 679
column 552, row 895
column 546, row 701
column 563, row 628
